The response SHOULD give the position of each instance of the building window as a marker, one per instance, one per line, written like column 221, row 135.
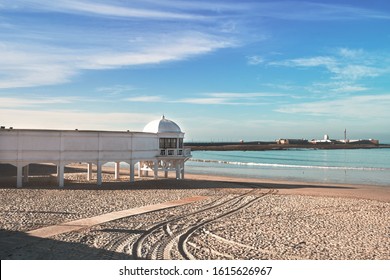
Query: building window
column 180, row 143
column 162, row 143
column 169, row 143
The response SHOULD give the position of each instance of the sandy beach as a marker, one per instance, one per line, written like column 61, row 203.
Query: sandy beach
column 234, row 219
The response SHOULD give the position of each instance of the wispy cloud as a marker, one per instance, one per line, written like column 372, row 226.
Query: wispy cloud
column 215, row 98
column 54, row 119
column 13, row 102
column 347, row 68
column 33, row 66
column 145, row 98
column 353, row 107
column 116, row 90
column 255, row 60
column 37, row 65
column 34, row 54
column 328, row 62
column 309, row 11
column 158, row 50
column 111, row 9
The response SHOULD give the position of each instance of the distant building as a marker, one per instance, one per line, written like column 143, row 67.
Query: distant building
column 292, row 141
column 327, row 140
column 158, row 147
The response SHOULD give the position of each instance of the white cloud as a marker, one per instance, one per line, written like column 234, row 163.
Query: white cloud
column 145, row 98
column 71, row 119
column 349, row 88
column 255, row 60
column 116, row 90
column 205, row 101
column 336, row 87
column 346, row 65
column 308, row 11
column 161, row 49
column 111, row 9
column 37, row 65
column 355, row 72
column 216, row 98
column 34, row 66
column 9, row 102
column 41, row 53
column 244, row 95
column 354, row 107
column 351, row 53
column 316, row 61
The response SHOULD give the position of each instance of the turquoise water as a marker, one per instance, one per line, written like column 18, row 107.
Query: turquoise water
column 360, row 166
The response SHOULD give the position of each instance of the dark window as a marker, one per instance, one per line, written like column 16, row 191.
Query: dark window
column 162, row 146
column 180, row 143
column 173, row 143
column 169, row 143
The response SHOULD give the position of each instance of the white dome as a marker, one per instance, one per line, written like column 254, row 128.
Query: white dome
column 162, row 125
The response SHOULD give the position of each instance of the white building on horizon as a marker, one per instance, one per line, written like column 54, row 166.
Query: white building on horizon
column 159, row 147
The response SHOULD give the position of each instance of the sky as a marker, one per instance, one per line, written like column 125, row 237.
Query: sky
column 223, row 70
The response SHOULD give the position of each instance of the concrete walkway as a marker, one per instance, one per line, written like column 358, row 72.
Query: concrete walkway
column 89, row 222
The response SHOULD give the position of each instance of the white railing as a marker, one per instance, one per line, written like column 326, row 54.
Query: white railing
column 175, row 152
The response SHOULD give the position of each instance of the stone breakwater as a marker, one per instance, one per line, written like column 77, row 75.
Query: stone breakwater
column 237, row 221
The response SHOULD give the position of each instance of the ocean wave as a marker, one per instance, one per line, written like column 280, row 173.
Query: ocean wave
column 287, row 165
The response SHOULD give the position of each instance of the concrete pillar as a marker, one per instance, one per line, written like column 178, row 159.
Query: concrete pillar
column 25, row 173
column 99, row 174
column 60, row 174
column 132, row 171
column 177, row 170
column 89, row 172
column 117, row 170
column 19, row 175
column 139, row 169
column 155, row 169
column 182, row 170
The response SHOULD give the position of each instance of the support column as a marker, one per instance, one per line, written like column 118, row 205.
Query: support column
column 117, row 170
column 132, row 171
column 166, row 174
column 60, row 175
column 89, row 172
column 25, row 173
column 145, row 173
column 19, row 175
column 182, row 170
column 177, row 171
column 139, row 169
column 99, row 174
column 155, row 169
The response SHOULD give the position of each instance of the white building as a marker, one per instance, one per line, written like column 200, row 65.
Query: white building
column 158, row 147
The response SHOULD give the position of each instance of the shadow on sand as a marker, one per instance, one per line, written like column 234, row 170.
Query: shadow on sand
column 165, row 184
column 46, row 180
column 15, row 245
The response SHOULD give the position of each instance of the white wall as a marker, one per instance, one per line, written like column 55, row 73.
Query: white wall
column 39, row 146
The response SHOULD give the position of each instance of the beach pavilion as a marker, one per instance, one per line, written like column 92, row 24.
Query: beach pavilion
column 159, row 147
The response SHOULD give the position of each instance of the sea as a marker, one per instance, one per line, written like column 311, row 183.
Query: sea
column 350, row 166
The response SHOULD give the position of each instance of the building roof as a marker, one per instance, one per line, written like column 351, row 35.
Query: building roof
column 162, row 125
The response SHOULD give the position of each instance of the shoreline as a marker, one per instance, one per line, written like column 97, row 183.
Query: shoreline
column 270, row 147
column 356, row 191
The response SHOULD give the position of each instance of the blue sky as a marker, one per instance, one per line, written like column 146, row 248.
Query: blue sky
column 223, row 70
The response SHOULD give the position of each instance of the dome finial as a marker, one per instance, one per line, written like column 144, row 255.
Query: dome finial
column 163, row 117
